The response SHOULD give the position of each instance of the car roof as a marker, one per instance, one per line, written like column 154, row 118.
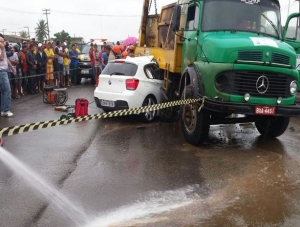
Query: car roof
column 137, row 60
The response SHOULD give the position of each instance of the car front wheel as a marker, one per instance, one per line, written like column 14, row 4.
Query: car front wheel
column 150, row 115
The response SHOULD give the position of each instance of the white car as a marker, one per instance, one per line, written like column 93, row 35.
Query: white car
column 130, row 83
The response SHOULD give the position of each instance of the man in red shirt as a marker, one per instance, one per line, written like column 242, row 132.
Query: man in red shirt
column 24, row 68
column 91, row 55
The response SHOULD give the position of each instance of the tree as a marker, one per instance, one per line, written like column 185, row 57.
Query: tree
column 41, row 31
column 24, row 34
column 61, row 36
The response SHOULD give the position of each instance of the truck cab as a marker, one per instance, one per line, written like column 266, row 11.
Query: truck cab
column 231, row 56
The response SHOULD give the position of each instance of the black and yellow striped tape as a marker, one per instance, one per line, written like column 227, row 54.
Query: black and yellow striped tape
column 9, row 131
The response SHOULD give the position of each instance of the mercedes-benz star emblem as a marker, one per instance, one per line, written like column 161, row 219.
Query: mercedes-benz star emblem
column 262, row 84
column 109, row 82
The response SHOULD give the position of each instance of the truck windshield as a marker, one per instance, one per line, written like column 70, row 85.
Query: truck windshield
column 242, row 15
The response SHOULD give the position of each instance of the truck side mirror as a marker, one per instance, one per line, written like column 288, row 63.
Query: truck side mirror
column 293, row 28
column 176, row 18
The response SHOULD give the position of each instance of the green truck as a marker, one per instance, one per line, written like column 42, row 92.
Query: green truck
column 232, row 55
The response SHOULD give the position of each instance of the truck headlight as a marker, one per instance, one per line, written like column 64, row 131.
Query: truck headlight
column 293, row 87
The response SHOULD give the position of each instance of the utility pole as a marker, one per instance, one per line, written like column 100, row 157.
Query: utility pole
column 28, row 32
column 3, row 31
column 46, row 12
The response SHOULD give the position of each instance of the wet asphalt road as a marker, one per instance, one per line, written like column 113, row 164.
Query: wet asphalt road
column 121, row 172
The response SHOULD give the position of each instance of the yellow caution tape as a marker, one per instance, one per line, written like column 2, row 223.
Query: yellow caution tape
column 9, row 131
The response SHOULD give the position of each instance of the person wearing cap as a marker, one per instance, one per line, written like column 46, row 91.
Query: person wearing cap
column 66, row 44
column 4, row 82
column 116, row 49
column 41, row 59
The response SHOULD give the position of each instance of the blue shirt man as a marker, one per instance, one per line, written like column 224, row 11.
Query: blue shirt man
column 104, row 57
column 73, row 55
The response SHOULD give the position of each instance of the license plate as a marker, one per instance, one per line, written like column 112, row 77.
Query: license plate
column 265, row 110
column 85, row 71
column 107, row 103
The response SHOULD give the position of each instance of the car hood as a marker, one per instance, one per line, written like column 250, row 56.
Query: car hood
column 84, row 57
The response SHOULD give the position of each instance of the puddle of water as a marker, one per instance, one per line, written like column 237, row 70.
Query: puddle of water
column 155, row 203
column 62, row 204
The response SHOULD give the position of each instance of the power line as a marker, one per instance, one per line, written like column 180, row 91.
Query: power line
column 97, row 15
column 65, row 12
column 17, row 11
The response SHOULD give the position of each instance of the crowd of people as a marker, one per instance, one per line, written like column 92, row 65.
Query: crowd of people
column 100, row 58
column 31, row 66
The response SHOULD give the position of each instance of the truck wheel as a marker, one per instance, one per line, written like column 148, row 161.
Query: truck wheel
column 272, row 127
column 194, row 125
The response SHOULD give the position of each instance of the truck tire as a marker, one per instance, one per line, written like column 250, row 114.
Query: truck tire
column 194, row 124
column 272, row 127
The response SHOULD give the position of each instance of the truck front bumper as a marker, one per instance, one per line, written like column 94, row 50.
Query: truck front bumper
column 248, row 109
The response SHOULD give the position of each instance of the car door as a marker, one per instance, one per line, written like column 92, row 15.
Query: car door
column 153, row 80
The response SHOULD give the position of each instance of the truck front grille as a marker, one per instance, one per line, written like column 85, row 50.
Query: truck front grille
column 246, row 82
column 280, row 59
column 257, row 56
column 250, row 55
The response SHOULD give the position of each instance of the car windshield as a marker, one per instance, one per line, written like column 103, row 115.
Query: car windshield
column 86, row 49
column 81, row 46
column 244, row 15
column 124, row 68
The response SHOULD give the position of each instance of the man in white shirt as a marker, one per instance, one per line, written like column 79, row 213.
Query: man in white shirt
column 4, row 82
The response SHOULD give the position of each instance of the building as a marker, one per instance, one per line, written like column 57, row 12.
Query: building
column 15, row 38
column 77, row 40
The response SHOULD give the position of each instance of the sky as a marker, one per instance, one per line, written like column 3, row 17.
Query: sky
column 91, row 19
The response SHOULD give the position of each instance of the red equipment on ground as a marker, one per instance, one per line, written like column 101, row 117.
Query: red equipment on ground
column 81, row 107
